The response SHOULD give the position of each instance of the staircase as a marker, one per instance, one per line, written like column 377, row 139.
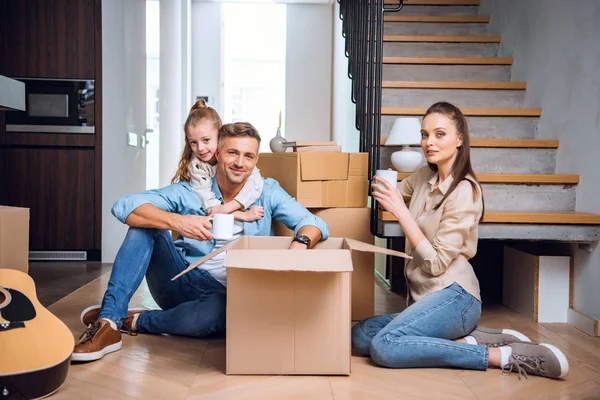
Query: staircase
column 437, row 50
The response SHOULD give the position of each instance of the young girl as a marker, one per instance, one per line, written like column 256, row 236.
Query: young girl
column 198, row 163
column 441, row 228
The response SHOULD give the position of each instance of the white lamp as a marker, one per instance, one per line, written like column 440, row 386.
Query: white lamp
column 405, row 131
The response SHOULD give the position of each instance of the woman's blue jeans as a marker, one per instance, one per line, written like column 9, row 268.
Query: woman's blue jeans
column 422, row 335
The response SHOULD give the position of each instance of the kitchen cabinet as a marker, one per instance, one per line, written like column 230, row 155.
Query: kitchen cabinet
column 57, row 184
column 49, row 38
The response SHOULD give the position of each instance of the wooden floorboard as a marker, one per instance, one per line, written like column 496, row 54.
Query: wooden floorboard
column 164, row 367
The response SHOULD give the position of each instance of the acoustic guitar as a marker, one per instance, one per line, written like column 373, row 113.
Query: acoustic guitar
column 35, row 346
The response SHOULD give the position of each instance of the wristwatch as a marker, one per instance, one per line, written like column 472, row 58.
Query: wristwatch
column 302, row 239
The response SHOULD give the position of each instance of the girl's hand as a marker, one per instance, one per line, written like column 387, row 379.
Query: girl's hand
column 388, row 196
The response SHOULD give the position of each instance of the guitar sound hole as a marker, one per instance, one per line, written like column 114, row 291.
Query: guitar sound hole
column 2, row 297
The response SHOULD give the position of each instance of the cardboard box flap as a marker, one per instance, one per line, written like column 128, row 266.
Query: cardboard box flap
column 313, row 260
column 206, row 258
column 365, row 247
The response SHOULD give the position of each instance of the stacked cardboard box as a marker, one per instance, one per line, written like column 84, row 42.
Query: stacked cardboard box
column 14, row 238
column 320, row 179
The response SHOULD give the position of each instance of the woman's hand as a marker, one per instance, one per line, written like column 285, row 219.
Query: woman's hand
column 389, row 197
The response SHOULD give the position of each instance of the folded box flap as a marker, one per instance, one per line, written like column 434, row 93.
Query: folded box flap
column 210, row 255
column 312, row 260
column 365, row 247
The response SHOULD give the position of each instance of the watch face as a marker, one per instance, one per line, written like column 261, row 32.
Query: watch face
column 302, row 239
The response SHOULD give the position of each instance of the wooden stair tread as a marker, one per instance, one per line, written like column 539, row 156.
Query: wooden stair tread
column 460, row 19
column 435, row 2
column 518, row 178
column 454, row 85
column 489, row 112
column 528, row 217
column 441, row 38
column 510, row 143
column 449, row 60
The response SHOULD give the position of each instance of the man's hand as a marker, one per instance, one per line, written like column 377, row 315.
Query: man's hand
column 194, row 227
column 297, row 246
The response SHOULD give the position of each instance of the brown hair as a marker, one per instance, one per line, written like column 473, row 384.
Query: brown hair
column 461, row 169
column 198, row 113
column 239, row 129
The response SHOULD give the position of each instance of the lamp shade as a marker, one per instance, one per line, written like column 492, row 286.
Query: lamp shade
column 405, row 131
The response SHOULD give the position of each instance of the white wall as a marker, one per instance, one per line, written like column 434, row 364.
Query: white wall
column 308, row 72
column 206, row 52
column 555, row 48
column 343, row 124
column 174, row 99
column 123, row 111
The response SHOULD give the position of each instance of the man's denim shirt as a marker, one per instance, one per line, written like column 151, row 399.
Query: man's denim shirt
column 179, row 198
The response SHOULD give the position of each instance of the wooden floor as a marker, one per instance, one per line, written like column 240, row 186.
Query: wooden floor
column 163, row 367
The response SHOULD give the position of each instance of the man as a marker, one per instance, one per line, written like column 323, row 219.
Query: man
column 193, row 305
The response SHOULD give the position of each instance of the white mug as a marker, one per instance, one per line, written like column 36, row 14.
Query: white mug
column 389, row 175
column 222, row 228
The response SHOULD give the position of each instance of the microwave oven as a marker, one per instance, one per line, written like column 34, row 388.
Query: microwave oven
column 55, row 106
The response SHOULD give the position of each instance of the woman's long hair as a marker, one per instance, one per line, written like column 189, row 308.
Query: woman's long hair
column 461, row 169
column 198, row 113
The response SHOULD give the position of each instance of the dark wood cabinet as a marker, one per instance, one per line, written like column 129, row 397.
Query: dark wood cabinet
column 49, row 38
column 57, row 176
column 57, row 185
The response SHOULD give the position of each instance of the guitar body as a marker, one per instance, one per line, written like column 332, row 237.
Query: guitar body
column 35, row 346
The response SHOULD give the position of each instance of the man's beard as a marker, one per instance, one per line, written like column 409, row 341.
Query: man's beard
column 235, row 179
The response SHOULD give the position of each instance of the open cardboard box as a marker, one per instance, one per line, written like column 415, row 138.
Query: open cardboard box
column 288, row 311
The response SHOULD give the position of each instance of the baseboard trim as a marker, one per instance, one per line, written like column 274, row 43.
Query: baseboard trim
column 583, row 322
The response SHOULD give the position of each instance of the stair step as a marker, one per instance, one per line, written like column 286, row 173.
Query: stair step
column 487, row 127
column 528, row 217
column 435, row 2
column 440, row 49
column 556, row 179
column 441, row 38
column 509, row 143
column 449, row 60
column 496, row 112
column 437, row 11
column 454, row 85
column 434, row 28
column 446, row 72
column 497, row 160
column 399, row 96
column 453, row 19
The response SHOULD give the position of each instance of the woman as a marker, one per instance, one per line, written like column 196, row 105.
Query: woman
column 441, row 228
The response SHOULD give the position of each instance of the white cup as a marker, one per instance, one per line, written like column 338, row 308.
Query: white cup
column 389, row 175
column 222, row 228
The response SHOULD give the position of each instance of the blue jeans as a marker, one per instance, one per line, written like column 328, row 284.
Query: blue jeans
column 193, row 305
column 422, row 335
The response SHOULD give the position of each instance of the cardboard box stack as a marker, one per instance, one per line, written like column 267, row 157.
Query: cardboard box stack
column 334, row 186
column 14, row 238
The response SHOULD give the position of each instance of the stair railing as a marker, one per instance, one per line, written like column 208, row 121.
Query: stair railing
column 362, row 27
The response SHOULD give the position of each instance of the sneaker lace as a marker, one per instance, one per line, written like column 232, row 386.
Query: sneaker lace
column 90, row 332
column 524, row 365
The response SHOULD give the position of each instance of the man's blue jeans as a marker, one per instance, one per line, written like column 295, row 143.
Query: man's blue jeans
column 423, row 334
column 193, row 305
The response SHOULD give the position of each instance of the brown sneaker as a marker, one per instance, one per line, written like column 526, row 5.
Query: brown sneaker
column 497, row 337
column 537, row 359
column 96, row 341
column 90, row 315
